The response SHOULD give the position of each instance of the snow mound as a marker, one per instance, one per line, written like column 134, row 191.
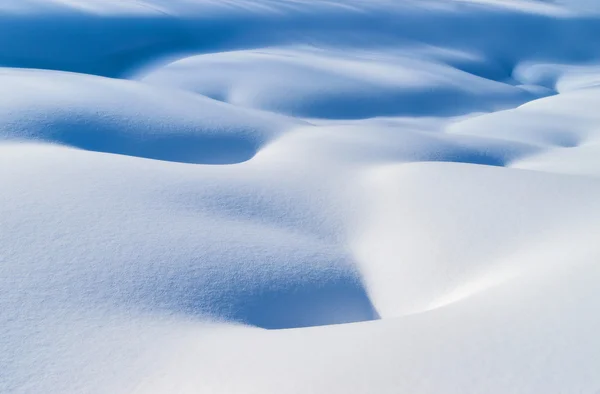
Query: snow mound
column 321, row 84
column 413, row 260
column 280, row 196
column 130, row 118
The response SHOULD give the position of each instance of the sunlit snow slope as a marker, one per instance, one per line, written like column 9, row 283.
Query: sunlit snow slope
column 285, row 196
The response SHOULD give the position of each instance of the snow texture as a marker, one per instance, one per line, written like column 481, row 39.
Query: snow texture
column 284, row 196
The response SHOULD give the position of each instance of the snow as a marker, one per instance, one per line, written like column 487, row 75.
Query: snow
column 279, row 196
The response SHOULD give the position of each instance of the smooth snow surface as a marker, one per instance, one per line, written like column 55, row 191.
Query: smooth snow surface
column 198, row 196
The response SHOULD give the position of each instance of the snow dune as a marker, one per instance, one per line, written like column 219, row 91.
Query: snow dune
column 269, row 196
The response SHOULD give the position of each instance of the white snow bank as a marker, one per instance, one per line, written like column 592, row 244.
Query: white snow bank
column 414, row 259
column 425, row 170
column 327, row 84
column 126, row 117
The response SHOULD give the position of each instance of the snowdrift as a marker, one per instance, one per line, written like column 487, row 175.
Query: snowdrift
column 275, row 196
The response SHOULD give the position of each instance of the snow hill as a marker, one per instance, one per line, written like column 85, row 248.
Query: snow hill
column 287, row 196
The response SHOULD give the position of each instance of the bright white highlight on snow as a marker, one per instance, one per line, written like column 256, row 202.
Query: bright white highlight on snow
column 284, row 196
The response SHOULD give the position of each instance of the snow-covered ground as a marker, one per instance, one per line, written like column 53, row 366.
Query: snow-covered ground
column 196, row 194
